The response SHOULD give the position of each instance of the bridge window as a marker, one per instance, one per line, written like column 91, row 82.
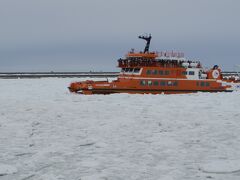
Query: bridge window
column 207, row 84
column 136, row 70
column 166, row 72
column 154, row 72
column 191, row 72
column 160, row 72
column 162, row 83
column 127, row 70
column 155, row 83
column 184, row 73
column 142, row 83
column 149, row 83
column 175, row 83
column 169, row 83
column 148, row 72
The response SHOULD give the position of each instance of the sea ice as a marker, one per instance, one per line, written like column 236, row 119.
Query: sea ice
column 48, row 133
column 222, row 166
column 6, row 169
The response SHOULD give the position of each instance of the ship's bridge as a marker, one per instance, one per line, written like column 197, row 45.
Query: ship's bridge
column 166, row 59
column 139, row 62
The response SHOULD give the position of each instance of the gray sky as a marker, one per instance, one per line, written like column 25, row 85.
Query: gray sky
column 83, row 35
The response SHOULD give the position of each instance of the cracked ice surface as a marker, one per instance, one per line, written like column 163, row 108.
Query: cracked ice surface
column 48, row 133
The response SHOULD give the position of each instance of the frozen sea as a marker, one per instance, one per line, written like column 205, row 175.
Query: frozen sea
column 47, row 133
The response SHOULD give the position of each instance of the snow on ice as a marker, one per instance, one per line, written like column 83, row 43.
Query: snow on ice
column 48, row 133
column 7, row 169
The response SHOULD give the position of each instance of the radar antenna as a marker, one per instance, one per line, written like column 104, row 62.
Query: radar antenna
column 148, row 39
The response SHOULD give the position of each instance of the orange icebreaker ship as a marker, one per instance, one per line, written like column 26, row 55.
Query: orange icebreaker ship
column 157, row 73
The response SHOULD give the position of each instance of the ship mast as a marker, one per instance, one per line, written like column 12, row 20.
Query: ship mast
column 148, row 39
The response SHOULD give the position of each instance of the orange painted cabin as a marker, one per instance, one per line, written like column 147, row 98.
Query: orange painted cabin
column 157, row 73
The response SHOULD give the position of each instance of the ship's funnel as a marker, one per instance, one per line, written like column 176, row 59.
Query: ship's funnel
column 148, row 39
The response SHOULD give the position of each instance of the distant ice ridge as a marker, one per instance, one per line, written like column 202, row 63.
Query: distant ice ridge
column 48, row 133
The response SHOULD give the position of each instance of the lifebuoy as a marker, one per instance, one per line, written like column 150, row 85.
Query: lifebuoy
column 215, row 74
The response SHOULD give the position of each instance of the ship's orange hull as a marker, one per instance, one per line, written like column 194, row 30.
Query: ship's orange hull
column 130, row 91
column 134, row 86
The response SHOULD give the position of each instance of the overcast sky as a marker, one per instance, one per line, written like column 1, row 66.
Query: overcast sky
column 83, row 35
